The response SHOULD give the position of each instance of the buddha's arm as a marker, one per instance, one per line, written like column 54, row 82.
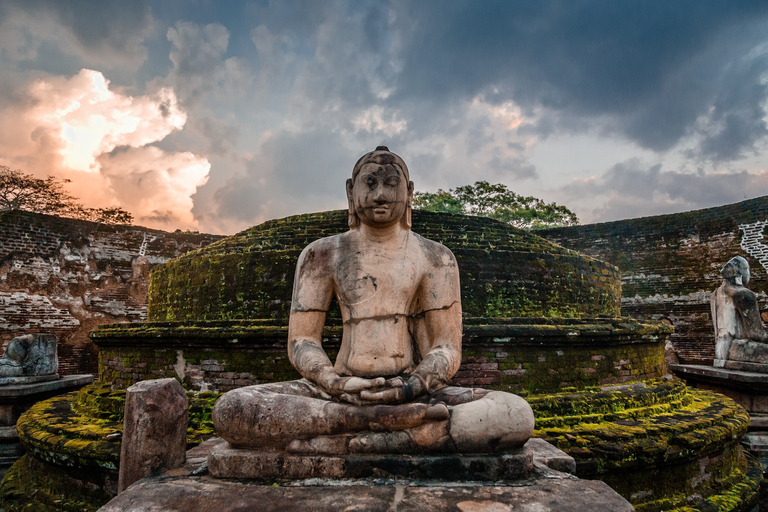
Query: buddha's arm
column 441, row 331
column 752, row 325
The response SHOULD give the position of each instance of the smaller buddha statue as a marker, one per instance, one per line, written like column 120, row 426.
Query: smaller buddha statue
column 735, row 312
column 31, row 355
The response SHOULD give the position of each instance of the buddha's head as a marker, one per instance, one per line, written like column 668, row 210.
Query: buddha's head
column 380, row 192
column 736, row 271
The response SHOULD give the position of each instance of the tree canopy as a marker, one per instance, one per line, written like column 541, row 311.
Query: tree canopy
column 497, row 202
column 21, row 191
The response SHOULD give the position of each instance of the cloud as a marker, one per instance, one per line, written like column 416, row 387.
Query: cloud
column 635, row 188
column 199, row 68
column 156, row 186
column 647, row 72
column 109, row 34
column 80, row 128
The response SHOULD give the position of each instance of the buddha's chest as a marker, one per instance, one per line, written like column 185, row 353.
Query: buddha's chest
column 388, row 277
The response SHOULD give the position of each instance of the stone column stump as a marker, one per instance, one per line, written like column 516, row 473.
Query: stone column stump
column 154, row 430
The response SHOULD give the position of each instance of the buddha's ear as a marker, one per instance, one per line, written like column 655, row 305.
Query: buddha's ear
column 352, row 219
column 407, row 221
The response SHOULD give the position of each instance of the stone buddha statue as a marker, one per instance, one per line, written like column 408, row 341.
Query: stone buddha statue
column 736, row 317
column 400, row 304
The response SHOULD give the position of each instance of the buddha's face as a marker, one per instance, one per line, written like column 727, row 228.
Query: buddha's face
column 379, row 194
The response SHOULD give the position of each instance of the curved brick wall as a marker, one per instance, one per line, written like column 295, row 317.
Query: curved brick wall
column 504, row 271
column 522, row 355
column 671, row 263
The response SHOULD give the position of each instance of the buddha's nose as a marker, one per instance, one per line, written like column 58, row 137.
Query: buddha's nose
column 380, row 195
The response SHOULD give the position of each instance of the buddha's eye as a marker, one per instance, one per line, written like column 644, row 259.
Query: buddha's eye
column 393, row 181
column 370, row 181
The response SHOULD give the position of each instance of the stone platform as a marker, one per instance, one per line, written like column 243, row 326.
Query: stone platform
column 21, row 394
column 749, row 389
column 544, row 489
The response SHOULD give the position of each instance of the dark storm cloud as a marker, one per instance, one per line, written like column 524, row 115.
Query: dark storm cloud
column 653, row 68
column 634, row 188
column 109, row 33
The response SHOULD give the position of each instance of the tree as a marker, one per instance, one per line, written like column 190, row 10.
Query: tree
column 21, row 191
column 497, row 202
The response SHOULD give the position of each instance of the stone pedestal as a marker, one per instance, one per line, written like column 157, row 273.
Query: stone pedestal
column 19, row 395
column 228, row 462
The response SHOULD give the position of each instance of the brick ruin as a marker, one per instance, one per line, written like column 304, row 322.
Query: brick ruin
column 671, row 263
column 66, row 276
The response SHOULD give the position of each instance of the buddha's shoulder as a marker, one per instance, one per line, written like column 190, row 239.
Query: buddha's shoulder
column 322, row 249
column 435, row 253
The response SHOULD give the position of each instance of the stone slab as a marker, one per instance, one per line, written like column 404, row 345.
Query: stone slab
column 551, row 492
column 758, row 422
column 227, row 462
column 31, row 379
column 154, row 429
column 15, row 391
column 739, row 377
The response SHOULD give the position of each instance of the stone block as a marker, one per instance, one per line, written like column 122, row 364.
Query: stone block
column 225, row 461
column 551, row 456
column 154, row 429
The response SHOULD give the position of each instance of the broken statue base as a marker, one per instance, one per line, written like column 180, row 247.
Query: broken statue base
column 747, row 356
column 189, row 489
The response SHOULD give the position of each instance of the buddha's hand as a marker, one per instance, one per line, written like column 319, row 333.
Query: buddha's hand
column 394, row 391
column 343, row 387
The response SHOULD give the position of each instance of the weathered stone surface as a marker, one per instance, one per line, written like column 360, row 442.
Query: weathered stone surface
column 555, row 493
column 154, row 429
column 29, row 355
column 64, row 276
column 666, row 264
column 227, row 462
column 18, row 397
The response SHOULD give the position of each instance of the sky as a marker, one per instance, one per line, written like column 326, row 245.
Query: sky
column 215, row 116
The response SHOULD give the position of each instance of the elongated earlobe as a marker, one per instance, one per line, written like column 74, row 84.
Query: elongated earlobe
column 407, row 221
column 352, row 220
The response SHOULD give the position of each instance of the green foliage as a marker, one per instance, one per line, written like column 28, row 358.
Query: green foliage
column 497, row 202
column 21, row 191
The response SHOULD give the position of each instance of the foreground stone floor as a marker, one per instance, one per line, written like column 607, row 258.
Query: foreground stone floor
column 187, row 490
column 562, row 493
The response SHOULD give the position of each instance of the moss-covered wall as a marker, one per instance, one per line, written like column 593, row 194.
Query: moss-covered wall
column 671, row 263
column 504, row 271
column 523, row 355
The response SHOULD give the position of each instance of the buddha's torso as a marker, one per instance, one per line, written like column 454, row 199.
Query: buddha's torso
column 376, row 286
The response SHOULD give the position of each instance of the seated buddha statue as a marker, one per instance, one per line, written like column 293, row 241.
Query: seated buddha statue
column 736, row 315
column 400, row 304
